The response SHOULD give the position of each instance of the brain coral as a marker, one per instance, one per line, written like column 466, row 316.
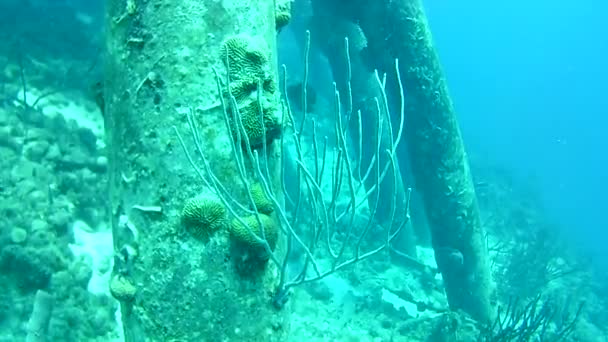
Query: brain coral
column 262, row 202
column 122, row 288
column 253, row 86
column 242, row 236
column 245, row 57
column 252, row 117
column 203, row 216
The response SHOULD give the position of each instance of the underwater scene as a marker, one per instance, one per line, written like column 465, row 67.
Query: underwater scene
column 303, row 170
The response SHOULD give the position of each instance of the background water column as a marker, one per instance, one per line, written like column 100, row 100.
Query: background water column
column 174, row 285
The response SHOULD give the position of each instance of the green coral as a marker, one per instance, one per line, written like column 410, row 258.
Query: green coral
column 244, row 57
column 263, row 204
column 122, row 288
column 246, row 88
column 253, row 86
column 282, row 14
column 253, row 115
column 242, row 236
column 243, row 89
column 203, row 216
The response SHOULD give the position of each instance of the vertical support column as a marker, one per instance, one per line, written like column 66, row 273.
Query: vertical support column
column 176, row 274
column 399, row 29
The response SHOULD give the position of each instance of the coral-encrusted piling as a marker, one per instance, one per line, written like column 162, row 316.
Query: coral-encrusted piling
column 175, row 275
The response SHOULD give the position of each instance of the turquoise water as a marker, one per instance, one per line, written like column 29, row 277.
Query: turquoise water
column 528, row 83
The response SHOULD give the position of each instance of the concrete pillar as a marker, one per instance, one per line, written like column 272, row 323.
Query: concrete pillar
column 177, row 272
column 399, row 29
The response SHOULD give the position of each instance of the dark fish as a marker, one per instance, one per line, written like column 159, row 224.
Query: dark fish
column 97, row 94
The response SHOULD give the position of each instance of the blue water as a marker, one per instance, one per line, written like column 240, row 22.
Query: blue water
column 529, row 82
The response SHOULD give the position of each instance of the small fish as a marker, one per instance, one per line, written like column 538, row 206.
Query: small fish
column 97, row 94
